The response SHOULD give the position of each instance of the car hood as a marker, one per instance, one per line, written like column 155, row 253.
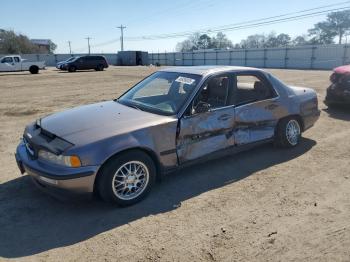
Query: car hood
column 93, row 122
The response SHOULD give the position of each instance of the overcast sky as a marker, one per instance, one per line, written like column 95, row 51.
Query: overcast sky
column 66, row 20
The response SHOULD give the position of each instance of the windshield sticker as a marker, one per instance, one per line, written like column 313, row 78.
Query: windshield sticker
column 185, row 80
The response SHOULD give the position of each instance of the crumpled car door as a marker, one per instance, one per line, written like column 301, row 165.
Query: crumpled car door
column 205, row 133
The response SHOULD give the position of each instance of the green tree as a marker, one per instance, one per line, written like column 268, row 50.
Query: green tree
column 52, row 47
column 221, row 41
column 336, row 25
column 300, row 40
column 204, row 42
column 12, row 43
column 199, row 41
column 282, row 40
column 254, row 41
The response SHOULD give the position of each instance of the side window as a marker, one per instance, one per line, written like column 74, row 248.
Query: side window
column 16, row 59
column 7, row 60
column 214, row 94
column 251, row 88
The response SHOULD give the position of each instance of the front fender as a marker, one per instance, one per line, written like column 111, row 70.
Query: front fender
column 157, row 139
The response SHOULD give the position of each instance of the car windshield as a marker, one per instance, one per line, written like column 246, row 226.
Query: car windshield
column 162, row 92
column 71, row 59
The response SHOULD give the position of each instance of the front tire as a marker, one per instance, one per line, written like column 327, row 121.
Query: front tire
column 72, row 69
column 127, row 178
column 288, row 132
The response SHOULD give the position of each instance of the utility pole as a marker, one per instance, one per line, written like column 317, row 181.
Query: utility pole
column 121, row 36
column 70, row 48
column 88, row 38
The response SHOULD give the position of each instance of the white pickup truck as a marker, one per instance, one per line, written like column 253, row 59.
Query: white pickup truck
column 16, row 63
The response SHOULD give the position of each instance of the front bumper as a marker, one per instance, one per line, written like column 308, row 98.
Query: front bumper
column 59, row 179
column 337, row 97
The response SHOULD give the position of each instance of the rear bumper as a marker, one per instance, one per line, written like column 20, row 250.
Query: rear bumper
column 55, row 178
column 310, row 119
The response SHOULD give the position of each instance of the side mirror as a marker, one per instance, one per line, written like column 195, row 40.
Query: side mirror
column 202, row 107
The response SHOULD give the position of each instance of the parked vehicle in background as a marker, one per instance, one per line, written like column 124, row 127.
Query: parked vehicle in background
column 338, row 93
column 99, row 63
column 16, row 63
column 174, row 117
column 59, row 64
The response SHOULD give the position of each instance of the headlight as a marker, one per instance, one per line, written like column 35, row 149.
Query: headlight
column 71, row 161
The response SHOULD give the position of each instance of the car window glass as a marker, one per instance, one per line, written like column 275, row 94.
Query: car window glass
column 7, row 60
column 165, row 92
column 214, row 94
column 251, row 88
column 156, row 87
column 16, row 59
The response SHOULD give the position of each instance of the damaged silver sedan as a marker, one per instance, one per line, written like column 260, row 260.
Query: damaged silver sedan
column 175, row 117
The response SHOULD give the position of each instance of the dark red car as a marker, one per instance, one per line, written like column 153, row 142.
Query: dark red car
column 338, row 93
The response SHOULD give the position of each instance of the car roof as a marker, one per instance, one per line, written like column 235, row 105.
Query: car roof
column 206, row 70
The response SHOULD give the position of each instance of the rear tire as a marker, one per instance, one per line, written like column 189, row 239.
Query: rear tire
column 288, row 132
column 72, row 69
column 99, row 68
column 34, row 69
column 127, row 178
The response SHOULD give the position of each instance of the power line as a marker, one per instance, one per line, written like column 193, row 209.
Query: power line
column 121, row 36
column 268, row 18
column 233, row 27
column 242, row 25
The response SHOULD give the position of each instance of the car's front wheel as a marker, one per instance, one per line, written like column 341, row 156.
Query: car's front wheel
column 72, row 69
column 288, row 132
column 127, row 178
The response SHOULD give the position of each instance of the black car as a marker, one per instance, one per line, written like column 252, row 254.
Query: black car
column 59, row 64
column 338, row 93
column 86, row 62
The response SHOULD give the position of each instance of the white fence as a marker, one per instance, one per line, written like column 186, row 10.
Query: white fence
column 303, row 57
column 52, row 59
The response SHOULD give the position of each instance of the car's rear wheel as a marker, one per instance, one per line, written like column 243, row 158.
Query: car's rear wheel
column 34, row 69
column 99, row 68
column 288, row 132
column 127, row 178
column 72, row 69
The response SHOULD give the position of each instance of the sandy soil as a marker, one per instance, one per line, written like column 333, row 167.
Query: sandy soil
column 266, row 204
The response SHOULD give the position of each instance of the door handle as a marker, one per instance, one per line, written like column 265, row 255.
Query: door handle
column 224, row 117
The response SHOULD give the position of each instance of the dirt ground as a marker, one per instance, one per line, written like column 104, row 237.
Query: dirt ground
column 266, row 204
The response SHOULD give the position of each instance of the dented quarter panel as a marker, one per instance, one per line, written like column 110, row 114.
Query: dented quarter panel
column 306, row 100
column 257, row 121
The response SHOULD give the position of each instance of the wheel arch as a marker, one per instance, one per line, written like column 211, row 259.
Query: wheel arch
column 147, row 151
column 297, row 116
